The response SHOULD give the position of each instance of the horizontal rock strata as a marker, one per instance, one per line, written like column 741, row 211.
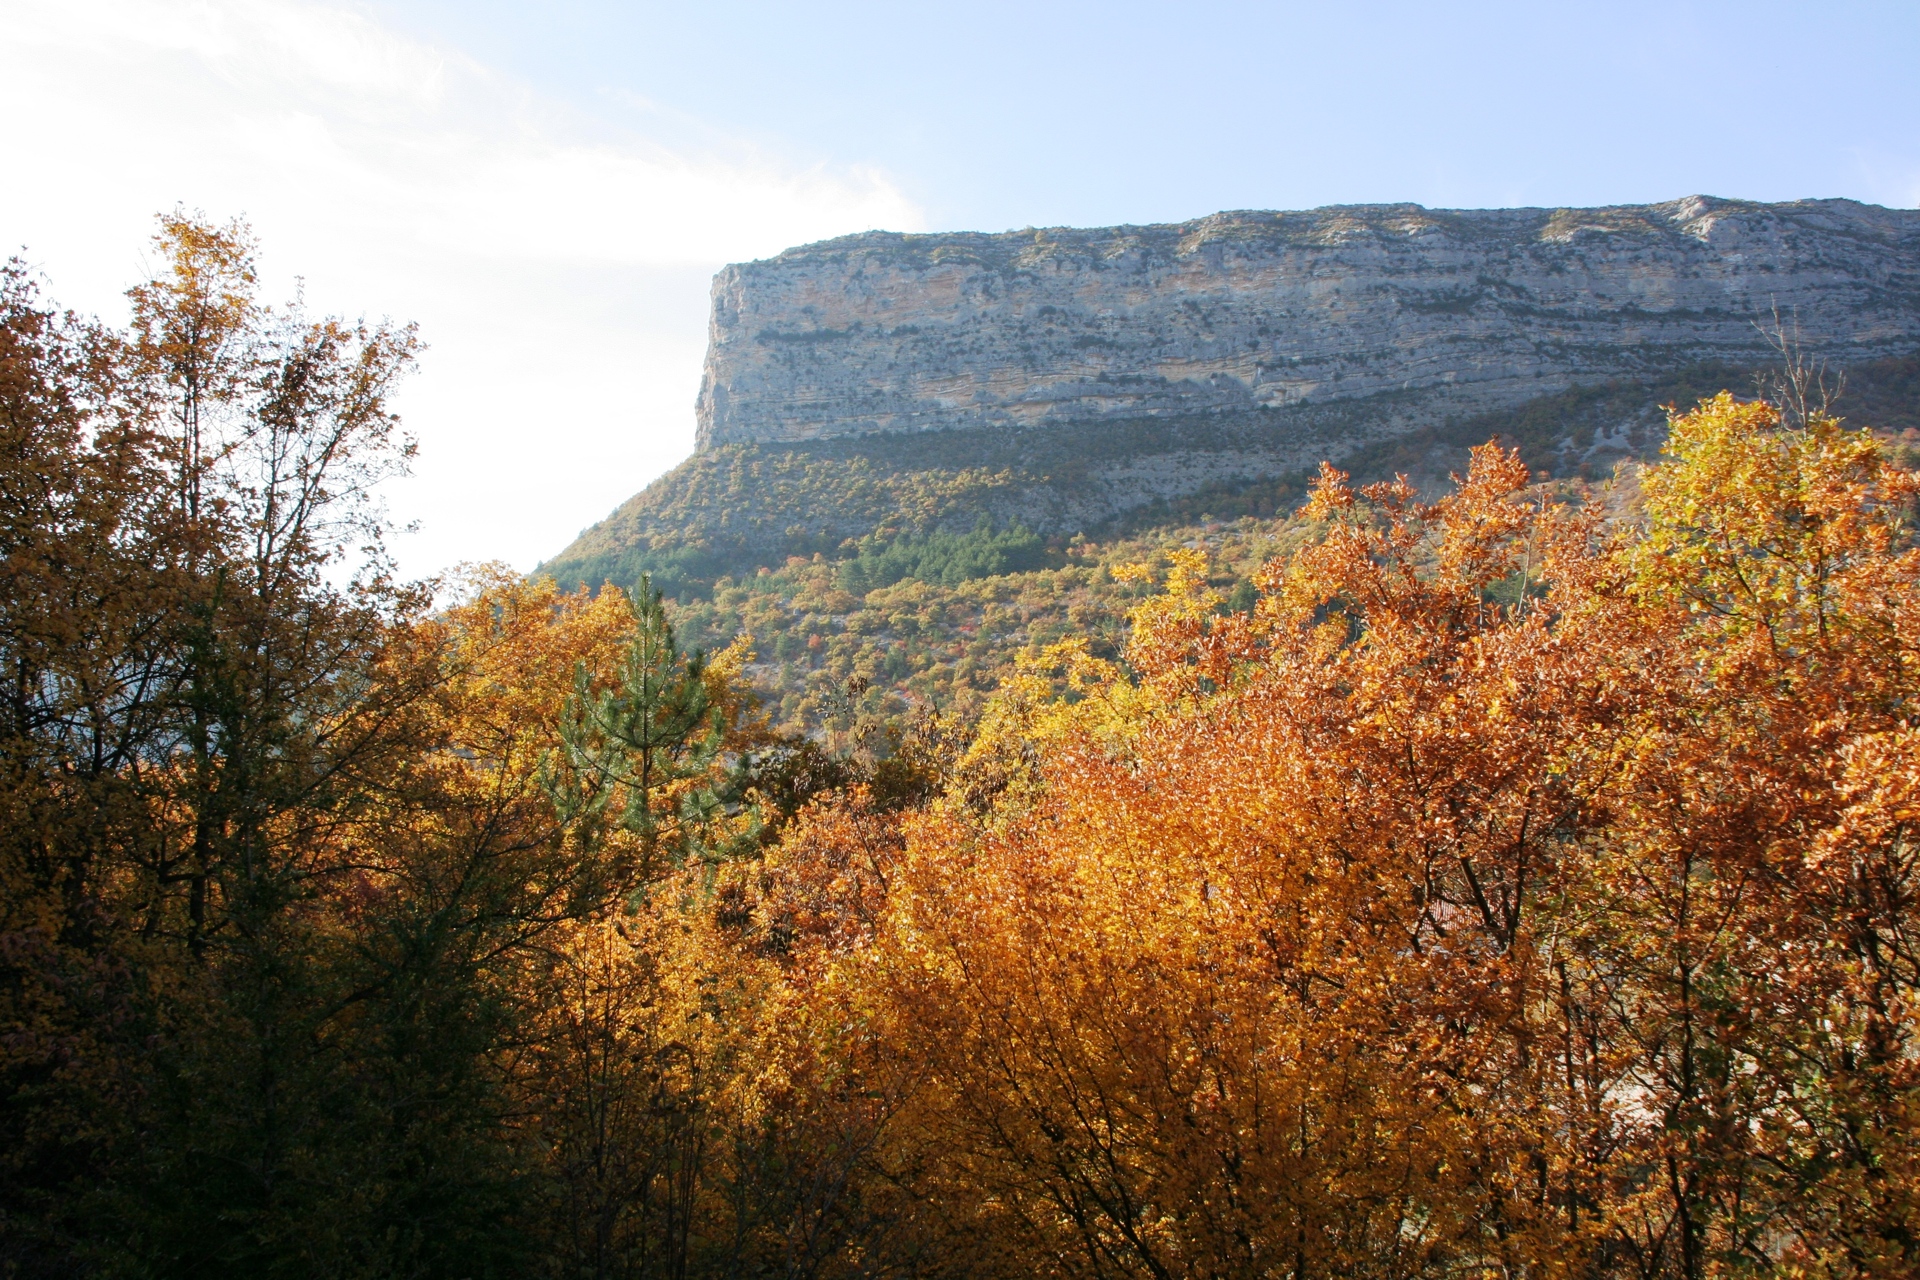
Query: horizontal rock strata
column 1242, row 317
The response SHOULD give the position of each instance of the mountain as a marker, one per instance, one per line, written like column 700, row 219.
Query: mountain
column 1242, row 317
column 1080, row 380
column 884, row 409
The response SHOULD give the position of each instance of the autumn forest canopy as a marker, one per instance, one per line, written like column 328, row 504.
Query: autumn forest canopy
column 1514, row 882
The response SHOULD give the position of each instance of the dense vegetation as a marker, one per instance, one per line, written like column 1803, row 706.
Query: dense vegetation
column 1518, row 882
column 922, row 645
column 933, row 580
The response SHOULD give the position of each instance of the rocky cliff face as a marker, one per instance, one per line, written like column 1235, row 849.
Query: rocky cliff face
column 1254, row 317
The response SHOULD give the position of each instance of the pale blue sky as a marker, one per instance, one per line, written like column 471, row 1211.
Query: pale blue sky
column 549, row 187
column 995, row 115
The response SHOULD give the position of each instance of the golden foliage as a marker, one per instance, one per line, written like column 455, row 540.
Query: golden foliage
column 1500, row 896
column 1505, row 888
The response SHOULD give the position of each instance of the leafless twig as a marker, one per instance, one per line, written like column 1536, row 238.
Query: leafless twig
column 1800, row 386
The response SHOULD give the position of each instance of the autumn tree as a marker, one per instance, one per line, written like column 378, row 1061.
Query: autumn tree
column 1516, row 887
column 206, row 704
column 1749, row 918
column 1520, row 880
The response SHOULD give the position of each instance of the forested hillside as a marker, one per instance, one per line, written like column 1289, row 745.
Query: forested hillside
column 1513, row 879
column 906, row 586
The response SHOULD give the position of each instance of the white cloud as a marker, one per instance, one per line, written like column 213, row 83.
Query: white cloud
column 557, row 264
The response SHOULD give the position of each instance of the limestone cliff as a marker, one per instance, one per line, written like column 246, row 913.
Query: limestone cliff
column 1242, row 317
column 1093, row 381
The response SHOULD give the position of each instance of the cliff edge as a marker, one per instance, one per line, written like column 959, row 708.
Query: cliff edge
column 1239, row 317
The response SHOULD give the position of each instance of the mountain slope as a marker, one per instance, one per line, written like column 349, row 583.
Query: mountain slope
column 917, row 451
column 735, row 509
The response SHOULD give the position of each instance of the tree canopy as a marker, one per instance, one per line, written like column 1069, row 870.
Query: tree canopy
column 1518, row 881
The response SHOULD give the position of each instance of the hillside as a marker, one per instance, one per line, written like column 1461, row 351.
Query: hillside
column 866, row 560
column 734, row 509
column 827, row 657
column 934, row 628
column 917, row 451
column 1076, row 381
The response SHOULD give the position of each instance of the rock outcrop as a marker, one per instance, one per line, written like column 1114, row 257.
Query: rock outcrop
column 1249, row 317
column 1094, row 381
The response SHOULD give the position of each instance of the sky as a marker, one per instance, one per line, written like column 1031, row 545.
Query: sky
column 547, row 188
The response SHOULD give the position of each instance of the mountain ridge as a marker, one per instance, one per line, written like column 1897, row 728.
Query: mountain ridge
column 1410, row 388
column 1241, row 314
